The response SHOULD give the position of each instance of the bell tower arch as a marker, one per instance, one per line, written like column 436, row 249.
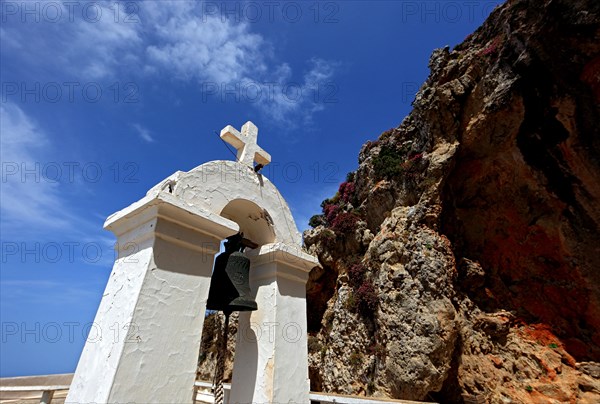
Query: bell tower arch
column 224, row 187
column 255, row 222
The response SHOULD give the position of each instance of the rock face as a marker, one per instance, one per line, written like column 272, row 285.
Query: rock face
column 461, row 262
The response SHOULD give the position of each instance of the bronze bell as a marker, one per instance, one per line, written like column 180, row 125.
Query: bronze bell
column 230, row 284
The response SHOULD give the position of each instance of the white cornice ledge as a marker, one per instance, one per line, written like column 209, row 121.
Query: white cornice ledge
column 171, row 208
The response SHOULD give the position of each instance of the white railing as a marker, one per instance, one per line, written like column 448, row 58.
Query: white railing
column 202, row 394
column 47, row 391
column 344, row 399
column 314, row 397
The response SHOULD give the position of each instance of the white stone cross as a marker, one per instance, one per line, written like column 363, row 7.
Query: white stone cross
column 248, row 151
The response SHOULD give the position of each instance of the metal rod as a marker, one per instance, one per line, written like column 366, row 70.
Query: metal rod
column 221, row 356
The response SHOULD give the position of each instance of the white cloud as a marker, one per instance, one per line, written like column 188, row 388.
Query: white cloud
column 32, row 203
column 214, row 52
column 106, row 44
column 210, row 51
column 294, row 99
column 143, row 133
column 88, row 41
column 202, row 47
column 172, row 39
column 28, row 200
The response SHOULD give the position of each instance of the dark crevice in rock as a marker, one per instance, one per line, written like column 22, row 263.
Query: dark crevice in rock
column 541, row 133
column 451, row 391
column 321, row 287
column 316, row 382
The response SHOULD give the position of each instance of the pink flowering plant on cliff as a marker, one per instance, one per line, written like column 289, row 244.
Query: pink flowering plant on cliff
column 338, row 212
column 346, row 191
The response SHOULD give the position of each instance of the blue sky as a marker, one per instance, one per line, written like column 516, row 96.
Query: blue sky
column 101, row 101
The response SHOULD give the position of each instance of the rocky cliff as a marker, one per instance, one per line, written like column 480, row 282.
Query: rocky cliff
column 461, row 261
